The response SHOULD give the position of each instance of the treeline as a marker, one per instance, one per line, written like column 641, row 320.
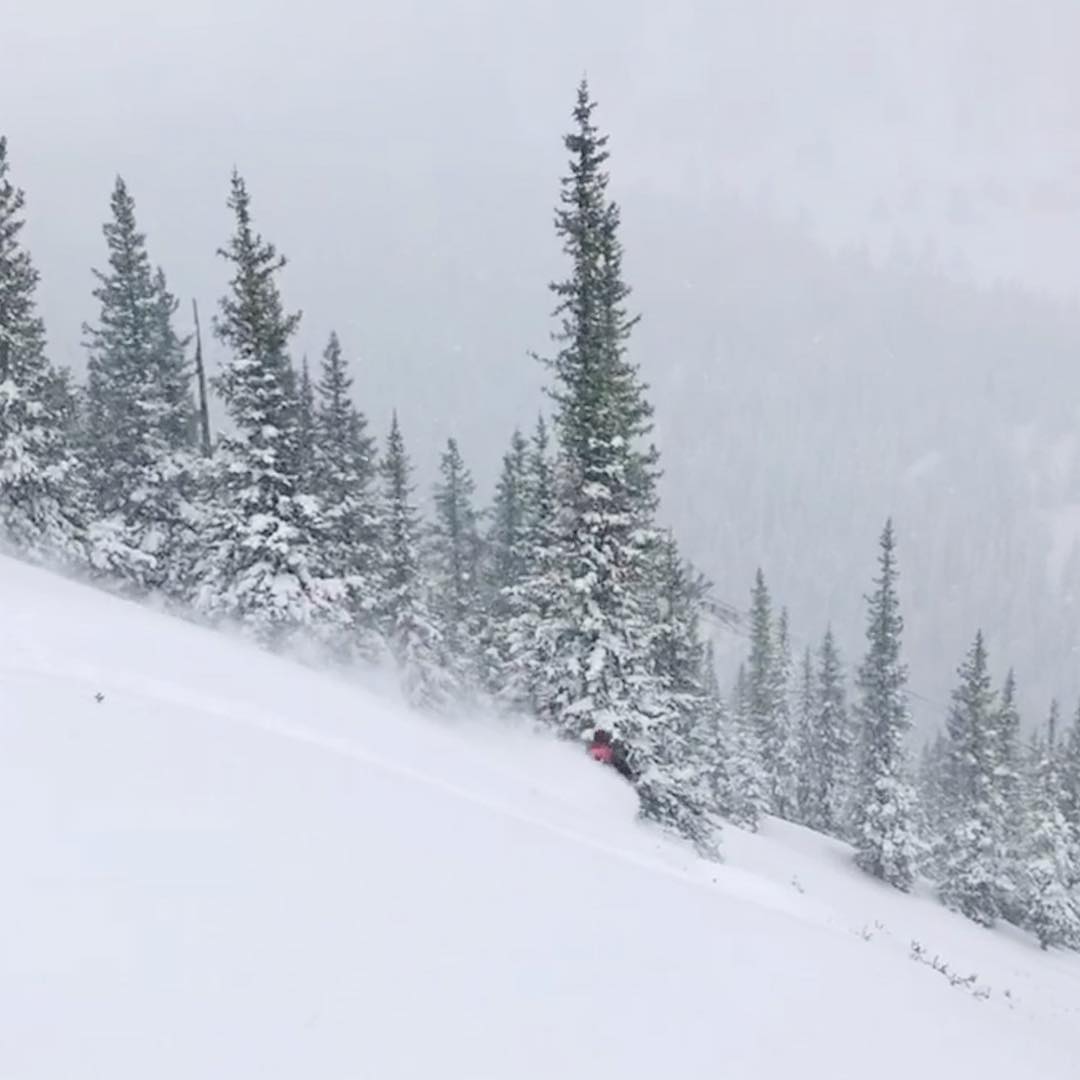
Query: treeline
column 991, row 821
column 563, row 599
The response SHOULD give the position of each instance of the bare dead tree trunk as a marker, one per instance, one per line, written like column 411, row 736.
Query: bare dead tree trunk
column 200, row 375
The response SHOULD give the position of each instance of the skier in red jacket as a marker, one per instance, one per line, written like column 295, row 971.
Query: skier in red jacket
column 600, row 749
column 608, row 752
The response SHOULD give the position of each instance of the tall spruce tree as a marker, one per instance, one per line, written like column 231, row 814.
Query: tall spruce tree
column 747, row 797
column 121, row 359
column 506, row 563
column 883, row 808
column 932, row 789
column 769, row 702
column 691, row 737
column 1049, row 902
column 972, row 865
column 305, row 426
column 678, row 651
column 40, row 504
column 1010, row 786
column 178, row 423
column 600, row 675
column 261, row 562
column 505, row 546
column 716, row 750
column 782, row 748
column 454, row 557
column 406, row 621
column 832, row 737
column 808, row 766
column 343, row 480
column 1070, row 779
column 1069, row 765
column 140, row 414
column 533, row 611
column 760, row 682
column 1008, row 737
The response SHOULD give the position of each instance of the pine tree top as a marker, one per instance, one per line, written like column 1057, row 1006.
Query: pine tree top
column 20, row 326
column 252, row 320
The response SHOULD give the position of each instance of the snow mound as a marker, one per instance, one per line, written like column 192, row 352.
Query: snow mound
column 217, row 863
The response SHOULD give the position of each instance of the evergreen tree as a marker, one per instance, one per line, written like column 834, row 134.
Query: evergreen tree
column 140, row 414
column 40, row 507
column 1050, row 905
column 406, row 622
column 261, row 563
column 1070, row 777
column 532, row 608
column 120, row 369
column 177, row 419
column 1008, row 737
column 781, row 749
column 506, row 565
column 747, row 797
column 973, row 860
column 761, row 660
column 832, row 738
column 599, row 677
column 684, row 757
column 305, row 427
column 808, row 770
column 761, row 682
column 343, row 480
column 932, row 800
column 64, row 400
column 506, row 539
column 884, row 801
column 769, row 688
column 1068, row 762
column 715, row 735
column 454, row 557
column 1010, row 786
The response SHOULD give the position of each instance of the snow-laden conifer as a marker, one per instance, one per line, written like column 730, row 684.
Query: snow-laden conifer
column 769, row 697
column 404, row 616
column 747, row 797
column 40, row 504
column 807, row 764
column 140, row 416
column 532, row 607
column 599, row 670
column 973, row 861
column 1048, row 870
column 454, row 559
column 685, row 738
column 504, row 568
column 832, row 727
column 781, row 745
column 343, row 480
column 260, row 564
column 305, row 426
column 883, row 810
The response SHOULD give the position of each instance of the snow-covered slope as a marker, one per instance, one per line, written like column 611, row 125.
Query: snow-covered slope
column 231, row 866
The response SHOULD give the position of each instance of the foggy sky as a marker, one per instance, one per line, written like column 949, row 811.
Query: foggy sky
column 403, row 135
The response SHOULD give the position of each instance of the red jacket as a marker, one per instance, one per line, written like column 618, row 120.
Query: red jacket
column 601, row 752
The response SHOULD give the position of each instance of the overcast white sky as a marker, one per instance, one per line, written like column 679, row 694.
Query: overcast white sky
column 405, row 153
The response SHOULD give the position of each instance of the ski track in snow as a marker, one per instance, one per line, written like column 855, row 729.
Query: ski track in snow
column 237, row 866
column 742, row 886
